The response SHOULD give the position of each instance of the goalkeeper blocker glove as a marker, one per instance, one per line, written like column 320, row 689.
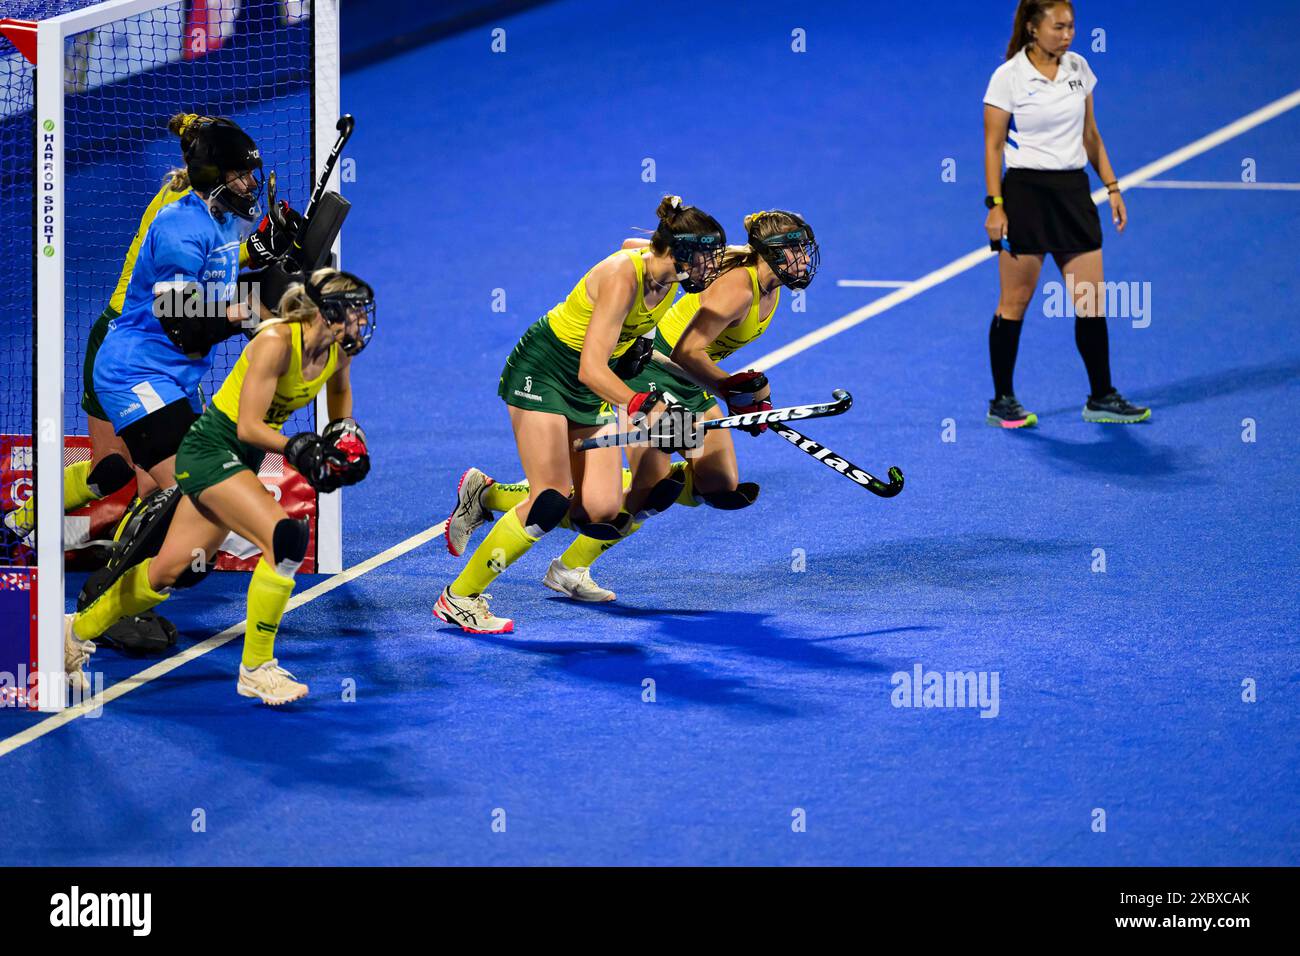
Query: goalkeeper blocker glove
column 273, row 239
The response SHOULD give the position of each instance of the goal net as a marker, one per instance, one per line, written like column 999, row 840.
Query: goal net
column 86, row 90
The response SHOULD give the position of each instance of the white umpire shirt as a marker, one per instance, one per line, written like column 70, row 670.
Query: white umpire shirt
column 1046, row 115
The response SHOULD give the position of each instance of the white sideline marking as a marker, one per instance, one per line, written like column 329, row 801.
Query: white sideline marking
column 1201, row 184
column 164, row 667
column 909, row 291
column 870, row 284
column 972, row 259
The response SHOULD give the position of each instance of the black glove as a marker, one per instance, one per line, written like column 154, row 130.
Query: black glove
column 637, row 356
column 347, row 459
column 273, row 238
column 674, row 428
column 305, row 453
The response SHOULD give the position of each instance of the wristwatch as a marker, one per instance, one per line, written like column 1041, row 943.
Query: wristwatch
column 991, row 201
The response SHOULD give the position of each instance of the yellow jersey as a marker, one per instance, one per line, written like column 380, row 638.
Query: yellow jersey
column 164, row 197
column 570, row 318
column 731, row 338
column 292, row 391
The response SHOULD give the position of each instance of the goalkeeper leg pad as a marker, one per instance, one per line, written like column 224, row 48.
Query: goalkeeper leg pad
column 548, row 510
column 140, row 539
column 742, row 496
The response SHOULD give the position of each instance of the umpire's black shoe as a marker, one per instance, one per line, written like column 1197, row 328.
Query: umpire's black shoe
column 1114, row 408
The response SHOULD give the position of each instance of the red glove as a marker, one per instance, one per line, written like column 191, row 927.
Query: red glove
column 746, row 392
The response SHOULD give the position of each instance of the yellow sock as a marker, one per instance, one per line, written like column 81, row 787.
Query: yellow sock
column 268, row 596
column 683, row 471
column 505, row 544
column 76, row 486
column 584, row 551
column 502, row 497
column 130, row 594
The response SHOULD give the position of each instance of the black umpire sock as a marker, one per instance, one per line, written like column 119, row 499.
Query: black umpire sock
column 1004, row 343
column 1093, row 340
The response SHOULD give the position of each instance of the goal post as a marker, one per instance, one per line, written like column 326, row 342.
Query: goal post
column 104, row 79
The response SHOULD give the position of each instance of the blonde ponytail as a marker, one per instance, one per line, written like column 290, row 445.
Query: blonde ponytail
column 296, row 305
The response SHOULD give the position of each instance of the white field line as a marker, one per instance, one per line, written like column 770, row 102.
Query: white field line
column 164, row 667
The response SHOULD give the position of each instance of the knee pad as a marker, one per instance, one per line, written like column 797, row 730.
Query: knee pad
column 289, row 544
column 140, row 537
column 742, row 496
column 109, row 476
column 661, row 497
column 547, row 511
column 620, row 527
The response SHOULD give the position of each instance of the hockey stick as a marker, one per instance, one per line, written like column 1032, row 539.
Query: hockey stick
column 344, row 126
column 842, row 465
column 843, row 401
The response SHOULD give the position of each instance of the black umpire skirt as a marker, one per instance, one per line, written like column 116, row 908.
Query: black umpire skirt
column 1050, row 211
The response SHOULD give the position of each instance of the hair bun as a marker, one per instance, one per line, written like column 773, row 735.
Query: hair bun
column 180, row 123
column 668, row 205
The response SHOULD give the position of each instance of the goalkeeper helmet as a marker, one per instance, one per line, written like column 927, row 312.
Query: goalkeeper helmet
column 344, row 300
column 218, row 157
column 787, row 243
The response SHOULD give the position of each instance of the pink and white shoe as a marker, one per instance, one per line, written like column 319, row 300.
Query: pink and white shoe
column 470, row 614
column 469, row 512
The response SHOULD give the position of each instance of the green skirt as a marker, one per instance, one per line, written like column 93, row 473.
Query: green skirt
column 541, row 374
column 211, row 452
column 89, row 402
column 687, row 392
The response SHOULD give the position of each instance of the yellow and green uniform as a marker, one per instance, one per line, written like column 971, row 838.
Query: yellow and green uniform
column 165, row 196
column 211, row 451
column 584, row 551
column 670, row 330
column 541, row 372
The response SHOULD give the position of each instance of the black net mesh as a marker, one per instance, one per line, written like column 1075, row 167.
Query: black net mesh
column 247, row 59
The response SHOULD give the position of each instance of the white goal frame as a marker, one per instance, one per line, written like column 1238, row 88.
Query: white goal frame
column 48, row 331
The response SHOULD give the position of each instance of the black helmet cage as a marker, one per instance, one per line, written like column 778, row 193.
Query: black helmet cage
column 336, row 307
column 807, row 254
column 217, row 149
column 686, row 246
